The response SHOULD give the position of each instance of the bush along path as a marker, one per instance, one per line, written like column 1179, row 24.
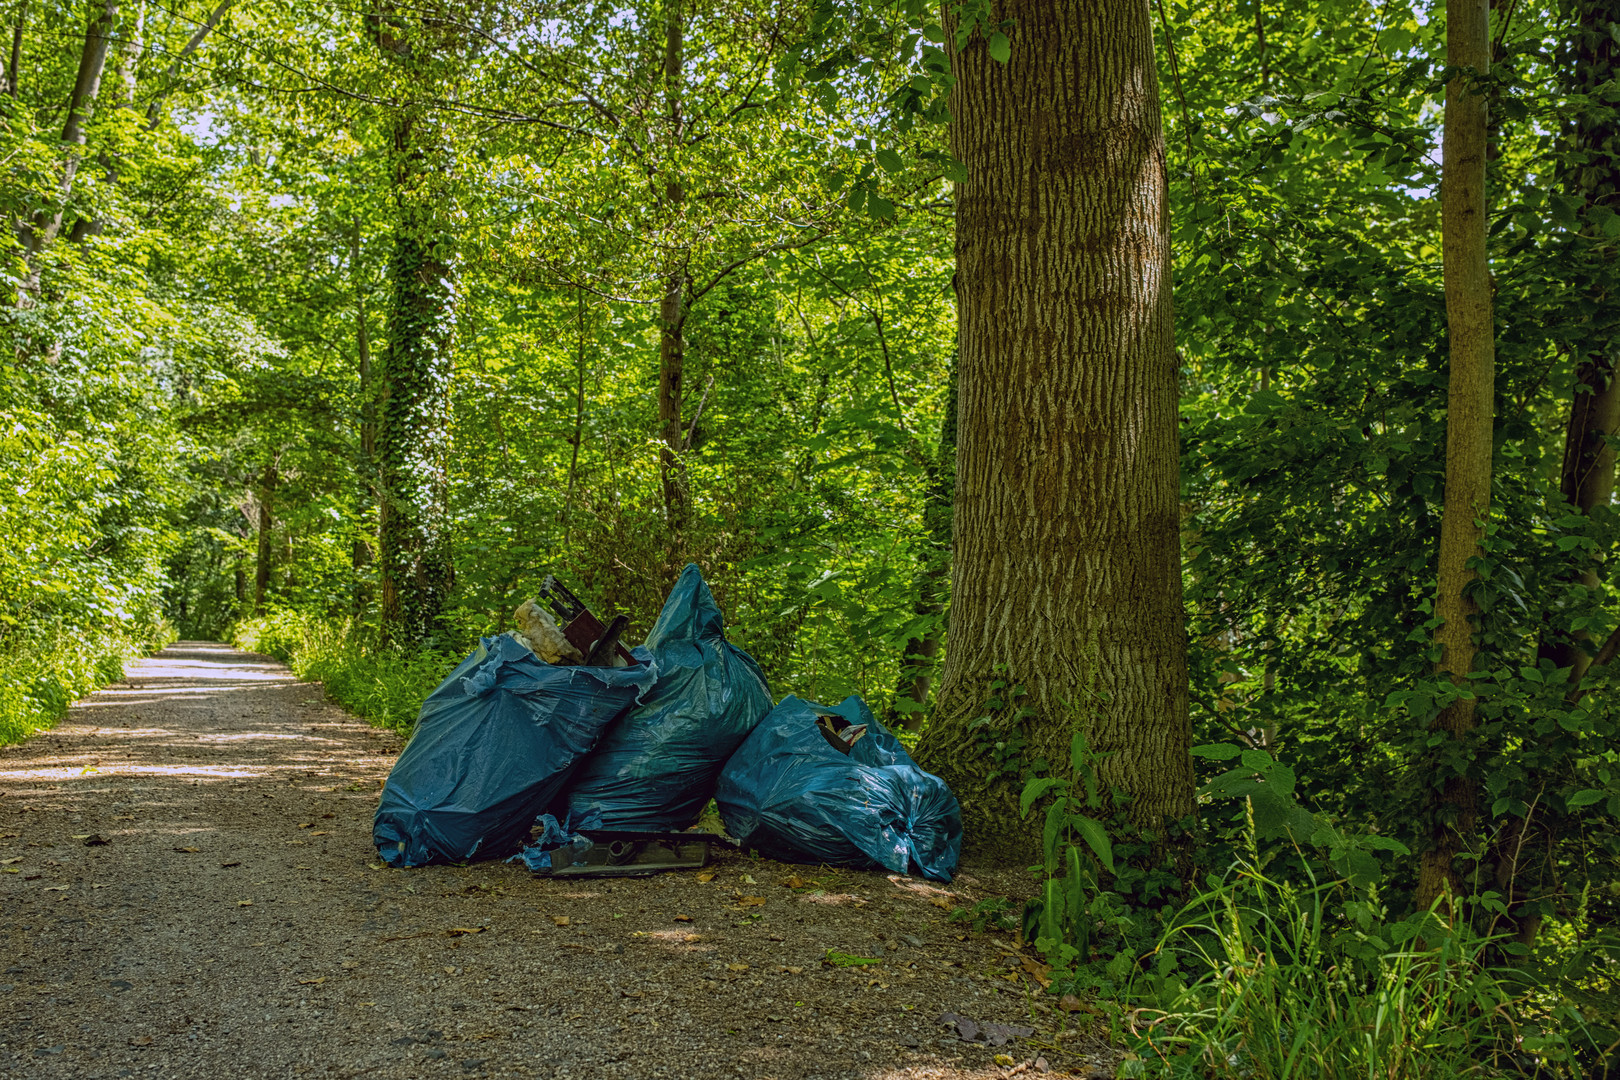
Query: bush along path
column 189, row 889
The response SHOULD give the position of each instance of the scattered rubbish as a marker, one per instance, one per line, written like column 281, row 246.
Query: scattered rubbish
column 560, row 852
column 790, row 794
column 655, row 770
column 541, row 635
column 582, row 629
column 493, row 745
column 993, row 1034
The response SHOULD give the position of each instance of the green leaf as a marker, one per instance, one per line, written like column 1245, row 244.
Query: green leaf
column 1217, row 751
column 1584, row 798
column 1035, row 788
column 1096, row 838
column 1000, row 47
column 889, row 161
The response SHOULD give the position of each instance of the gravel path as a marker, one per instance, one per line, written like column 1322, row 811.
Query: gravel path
column 189, row 890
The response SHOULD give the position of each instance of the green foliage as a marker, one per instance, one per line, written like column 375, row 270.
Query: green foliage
column 383, row 684
column 989, row 913
column 44, row 673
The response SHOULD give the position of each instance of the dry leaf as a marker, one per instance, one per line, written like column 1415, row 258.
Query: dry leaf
column 691, row 939
column 683, row 918
column 377, row 866
column 320, row 834
column 941, row 902
column 737, row 967
column 1042, row 973
column 705, row 875
column 56, row 888
column 751, row 901
column 560, row 920
column 306, row 824
column 141, row 1040
column 451, row 970
column 13, row 869
column 13, row 859
column 748, row 879
column 797, row 882
column 312, row 982
column 83, row 836
column 457, row 931
column 793, row 970
column 244, row 903
column 188, row 850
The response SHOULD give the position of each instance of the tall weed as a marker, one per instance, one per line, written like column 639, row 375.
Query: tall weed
column 381, row 684
column 43, row 673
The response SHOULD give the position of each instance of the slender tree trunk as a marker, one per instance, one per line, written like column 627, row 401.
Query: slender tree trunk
column 1469, row 406
column 366, row 463
column 1066, row 571
column 14, row 61
column 154, row 108
column 265, row 563
column 579, row 420
column 413, row 439
column 919, row 659
column 37, row 233
column 1590, row 58
column 131, row 45
column 672, row 312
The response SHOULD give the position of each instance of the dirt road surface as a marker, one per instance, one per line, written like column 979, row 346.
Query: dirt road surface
column 189, row 890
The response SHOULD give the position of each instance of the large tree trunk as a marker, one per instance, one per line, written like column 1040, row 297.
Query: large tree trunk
column 920, row 656
column 1066, row 572
column 1469, row 407
column 413, row 439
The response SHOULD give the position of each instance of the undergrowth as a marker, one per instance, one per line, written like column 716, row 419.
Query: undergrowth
column 382, row 684
column 44, row 672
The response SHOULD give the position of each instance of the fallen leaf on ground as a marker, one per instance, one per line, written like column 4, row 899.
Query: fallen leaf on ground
column 457, row 931
column 748, row 879
column 13, row 869
column 306, row 824
column 451, row 970
column 83, row 836
column 560, row 920
column 320, row 834
column 705, row 875
column 312, row 982
column 797, row 882
column 188, row 850
column 1042, row 973
column 737, row 967
column 56, row 888
column 941, row 902
column 13, row 859
column 750, row 901
column 377, row 866
column 683, row 918
column 691, row 939
column 141, row 1040
column 244, row 903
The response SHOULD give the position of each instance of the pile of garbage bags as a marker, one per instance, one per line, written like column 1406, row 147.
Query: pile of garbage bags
column 640, row 742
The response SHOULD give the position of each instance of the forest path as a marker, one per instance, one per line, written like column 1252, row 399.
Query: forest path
column 190, row 890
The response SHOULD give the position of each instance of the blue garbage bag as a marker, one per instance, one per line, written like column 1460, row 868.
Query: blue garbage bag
column 791, row 794
column 655, row 771
column 492, row 747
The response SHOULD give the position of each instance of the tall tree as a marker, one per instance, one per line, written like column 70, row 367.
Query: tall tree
column 412, row 446
column 1066, row 573
column 1469, row 426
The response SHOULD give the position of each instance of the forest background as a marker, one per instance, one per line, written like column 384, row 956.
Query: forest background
column 667, row 282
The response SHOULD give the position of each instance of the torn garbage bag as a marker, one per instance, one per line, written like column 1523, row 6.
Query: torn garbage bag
column 655, row 771
column 799, row 789
column 492, row 747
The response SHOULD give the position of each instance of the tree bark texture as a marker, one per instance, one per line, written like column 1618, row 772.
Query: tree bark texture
column 1066, row 570
column 920, row 658
column 413, row 437
column 1469, row 421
